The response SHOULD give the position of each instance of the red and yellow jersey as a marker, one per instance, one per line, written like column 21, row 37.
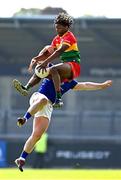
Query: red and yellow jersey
column 72, row 53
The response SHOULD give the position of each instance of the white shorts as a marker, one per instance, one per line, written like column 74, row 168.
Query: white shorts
column 47, row 110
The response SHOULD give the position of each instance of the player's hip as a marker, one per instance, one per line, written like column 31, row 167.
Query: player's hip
column 46, row 110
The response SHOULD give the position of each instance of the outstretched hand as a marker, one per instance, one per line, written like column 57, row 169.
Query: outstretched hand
column 42, row 67
column 32, row 63
column 106, row 84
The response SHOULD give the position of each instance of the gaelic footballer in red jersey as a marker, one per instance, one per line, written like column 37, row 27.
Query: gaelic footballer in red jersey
column 72, row 54
column 66, row 48
column 65, row 45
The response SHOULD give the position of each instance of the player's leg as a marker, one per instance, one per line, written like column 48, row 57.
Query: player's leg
column 40, row 125
column 58, row 73
column 68, row 70
column 37, row 102
column 24, row 89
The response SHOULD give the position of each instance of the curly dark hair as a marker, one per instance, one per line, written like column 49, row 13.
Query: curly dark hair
column 64, row 19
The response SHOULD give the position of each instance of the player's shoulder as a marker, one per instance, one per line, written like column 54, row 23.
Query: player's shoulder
column 70, row 36
column 56, row 37
column 70, row 33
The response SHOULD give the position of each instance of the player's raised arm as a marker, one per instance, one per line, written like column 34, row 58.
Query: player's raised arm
column 43, row 54
column 92, row 85
column 54, row 55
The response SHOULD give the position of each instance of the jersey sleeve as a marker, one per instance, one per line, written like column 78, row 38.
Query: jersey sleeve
column 53, row 43
column 69, row 39
column 68, row 85
column 73, row 83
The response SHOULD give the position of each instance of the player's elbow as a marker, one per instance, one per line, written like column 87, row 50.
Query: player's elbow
column 59, row 52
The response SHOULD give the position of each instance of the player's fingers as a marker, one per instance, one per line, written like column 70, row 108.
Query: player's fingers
column 38, row 68
column 33, row 62
column 30, row 69
column 43, row 70
column 109, row 82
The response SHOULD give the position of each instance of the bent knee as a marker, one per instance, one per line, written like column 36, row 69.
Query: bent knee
column 36, row 136
column 53, row 69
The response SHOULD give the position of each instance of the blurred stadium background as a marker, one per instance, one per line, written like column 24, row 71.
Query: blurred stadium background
column 86, row 133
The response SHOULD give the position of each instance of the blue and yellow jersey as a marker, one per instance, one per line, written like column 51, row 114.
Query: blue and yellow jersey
column 47, row 88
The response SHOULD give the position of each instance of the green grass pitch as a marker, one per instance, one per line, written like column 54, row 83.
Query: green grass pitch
column 59, row 174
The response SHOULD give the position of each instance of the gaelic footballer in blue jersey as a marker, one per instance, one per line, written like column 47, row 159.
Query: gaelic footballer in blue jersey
column 41, row 108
